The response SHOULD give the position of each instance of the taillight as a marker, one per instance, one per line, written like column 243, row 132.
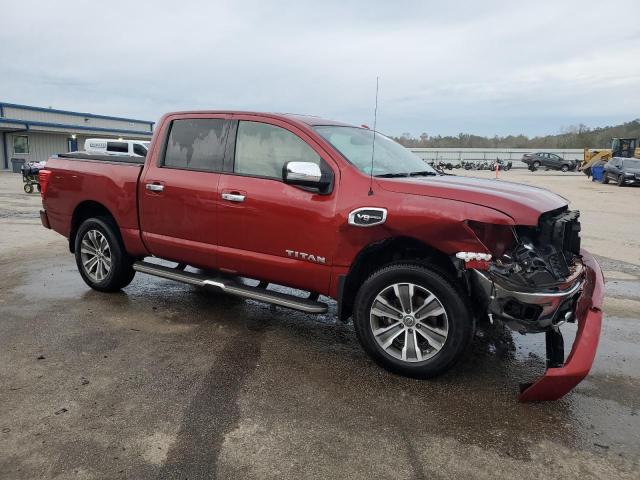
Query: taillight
column 43, row 180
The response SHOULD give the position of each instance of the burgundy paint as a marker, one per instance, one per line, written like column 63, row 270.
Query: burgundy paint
column 557, row 382
column 189, row 221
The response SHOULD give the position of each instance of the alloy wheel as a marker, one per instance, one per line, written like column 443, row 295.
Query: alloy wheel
column 96, row 255
column 409, row 322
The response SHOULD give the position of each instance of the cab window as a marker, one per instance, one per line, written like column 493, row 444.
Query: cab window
column 262, row 150
column 196, row 144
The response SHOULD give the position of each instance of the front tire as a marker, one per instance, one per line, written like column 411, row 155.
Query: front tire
column 536, row 164
column 411, row 320
column 100, row 256
column 621, row 180
column 605, row 178
column 565, row 168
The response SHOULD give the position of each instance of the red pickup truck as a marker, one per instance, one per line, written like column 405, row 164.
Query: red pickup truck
column 413, row 256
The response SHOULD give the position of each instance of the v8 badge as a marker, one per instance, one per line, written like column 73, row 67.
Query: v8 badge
column 367, row 216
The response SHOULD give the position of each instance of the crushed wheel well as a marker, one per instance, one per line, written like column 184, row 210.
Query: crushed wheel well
column 375, row 256
column 88, row 209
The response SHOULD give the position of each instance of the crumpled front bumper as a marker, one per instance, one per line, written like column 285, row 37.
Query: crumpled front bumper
column 557, row 382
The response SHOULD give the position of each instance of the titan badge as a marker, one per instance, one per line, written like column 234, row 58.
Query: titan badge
column 306, row 256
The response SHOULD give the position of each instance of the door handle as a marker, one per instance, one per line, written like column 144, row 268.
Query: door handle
column 154, row 187
column 233, row 197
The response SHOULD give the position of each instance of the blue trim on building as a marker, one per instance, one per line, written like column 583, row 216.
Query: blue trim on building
column 28, row 124
column 4, row 150
column 68, row 112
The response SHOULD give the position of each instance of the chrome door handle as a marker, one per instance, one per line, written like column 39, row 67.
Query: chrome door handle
column 154, row 187
column 233, row 197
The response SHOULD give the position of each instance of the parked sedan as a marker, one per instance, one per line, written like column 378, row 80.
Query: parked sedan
column 549, row 161
column 623, row 171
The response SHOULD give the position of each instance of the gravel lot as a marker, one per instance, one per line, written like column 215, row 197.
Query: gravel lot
column 166, row 381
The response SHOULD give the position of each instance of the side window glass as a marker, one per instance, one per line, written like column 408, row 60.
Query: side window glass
column 120, row 147
column 263, row 150
column 139, row 150
column 196, row 144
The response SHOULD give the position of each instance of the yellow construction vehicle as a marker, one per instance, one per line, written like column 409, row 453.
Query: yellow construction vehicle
column 620, row 147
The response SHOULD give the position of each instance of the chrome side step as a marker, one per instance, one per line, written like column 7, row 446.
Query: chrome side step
column 233, row 288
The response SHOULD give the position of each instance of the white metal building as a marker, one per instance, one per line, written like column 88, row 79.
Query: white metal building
column 456, row 155
column 35, row 133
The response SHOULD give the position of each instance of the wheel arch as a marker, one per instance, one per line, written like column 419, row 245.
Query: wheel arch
column 376, row 255
column 84, row 210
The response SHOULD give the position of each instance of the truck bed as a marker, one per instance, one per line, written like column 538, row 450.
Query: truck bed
column 84, row 181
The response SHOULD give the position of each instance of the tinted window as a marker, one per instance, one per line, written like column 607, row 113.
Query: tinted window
column 263, row 150
column 139, row 150
column 196, row 144
column 120, row 147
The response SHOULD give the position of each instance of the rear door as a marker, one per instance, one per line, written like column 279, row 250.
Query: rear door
column 178, row 192
column 544, row 159
column 268, row 229
column 610, row 169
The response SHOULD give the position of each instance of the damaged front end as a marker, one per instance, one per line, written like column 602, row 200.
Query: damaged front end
column 537, row 280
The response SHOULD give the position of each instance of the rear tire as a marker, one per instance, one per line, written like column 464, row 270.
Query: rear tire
column 411, row 320
column 28, row 188
column 605, row 178
column 621, row 180
column 100, row 255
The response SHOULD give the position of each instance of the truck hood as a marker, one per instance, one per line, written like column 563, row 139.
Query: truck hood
column 523, row 203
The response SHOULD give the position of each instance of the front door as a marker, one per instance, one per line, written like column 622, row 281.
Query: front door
column 72, row 145
column 268, row 229
column 178, row 194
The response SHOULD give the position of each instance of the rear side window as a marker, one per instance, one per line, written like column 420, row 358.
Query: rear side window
column 196, row 144
column 263, row 150
column 139, row 150
column 120, row 147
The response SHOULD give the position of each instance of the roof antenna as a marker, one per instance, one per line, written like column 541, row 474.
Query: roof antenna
column 373, row 147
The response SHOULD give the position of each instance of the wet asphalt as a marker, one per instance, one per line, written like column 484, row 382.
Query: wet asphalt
column 164, row 380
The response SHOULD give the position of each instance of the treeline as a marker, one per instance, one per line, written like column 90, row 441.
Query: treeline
column 579, row 136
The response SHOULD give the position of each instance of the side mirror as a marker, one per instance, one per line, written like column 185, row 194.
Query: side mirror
column 307, row 174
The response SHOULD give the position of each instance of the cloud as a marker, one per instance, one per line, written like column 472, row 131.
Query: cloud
column 491, row 67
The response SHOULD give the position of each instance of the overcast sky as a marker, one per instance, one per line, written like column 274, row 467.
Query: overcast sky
column 485, row 67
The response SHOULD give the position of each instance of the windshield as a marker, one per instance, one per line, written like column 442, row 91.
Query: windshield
column 391, row 159
column 631, row 164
